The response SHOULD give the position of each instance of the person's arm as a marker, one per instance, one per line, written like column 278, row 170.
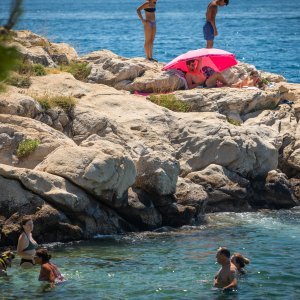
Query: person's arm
column 21, row 246
column 139, row 11
column 199, row 66
column 212, row 18
column 233, row 283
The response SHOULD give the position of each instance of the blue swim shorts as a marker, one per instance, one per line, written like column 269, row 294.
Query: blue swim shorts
column 208, row 31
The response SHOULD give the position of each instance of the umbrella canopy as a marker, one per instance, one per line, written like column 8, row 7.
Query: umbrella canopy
column 217, row 59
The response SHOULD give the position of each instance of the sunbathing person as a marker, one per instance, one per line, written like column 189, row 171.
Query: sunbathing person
column 253, row 80
column 202, row 76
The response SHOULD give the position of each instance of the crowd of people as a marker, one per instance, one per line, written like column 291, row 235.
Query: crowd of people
column 31, row 254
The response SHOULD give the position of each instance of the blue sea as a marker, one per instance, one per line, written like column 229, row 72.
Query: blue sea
column 261, row 32
column 179, row 264
column 174, row 265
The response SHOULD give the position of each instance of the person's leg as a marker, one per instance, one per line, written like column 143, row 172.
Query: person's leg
column 209, row 44
column 153, row 33
column 147, row 45
column 212, row 80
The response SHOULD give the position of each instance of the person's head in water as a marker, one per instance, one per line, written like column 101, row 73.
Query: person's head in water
column 222, row 2
column 239, row 260
column 223, row 256
column 191, row 65
column 42, row 256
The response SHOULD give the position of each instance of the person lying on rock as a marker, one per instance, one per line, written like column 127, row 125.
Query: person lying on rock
column 202, row 76
column 252, row 80
column 226, row 278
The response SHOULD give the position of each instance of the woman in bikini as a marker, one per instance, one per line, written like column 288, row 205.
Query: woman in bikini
column 26, row 244
column 149, row 23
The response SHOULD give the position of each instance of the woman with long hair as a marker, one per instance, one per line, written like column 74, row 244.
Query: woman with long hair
column 26, row 244
column 149, row 23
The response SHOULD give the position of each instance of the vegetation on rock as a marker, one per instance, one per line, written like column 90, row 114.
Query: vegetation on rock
column 27, row 146
column 50, row 101
column 21, row 81
column 233, row 122
column 80, row 70
column 25, row 67
column 171, row 102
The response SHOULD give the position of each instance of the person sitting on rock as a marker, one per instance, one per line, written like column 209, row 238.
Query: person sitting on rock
column 253, row 80
column 226, row 278
column 202, row 76
column 240, row 262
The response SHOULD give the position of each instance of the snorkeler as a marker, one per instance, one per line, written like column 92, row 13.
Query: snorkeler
column 226, row 278
column 240, row 262
column 149, row 26
column 49, row 272
column 210, row 29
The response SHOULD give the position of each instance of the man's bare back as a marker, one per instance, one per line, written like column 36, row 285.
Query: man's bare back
column 225, row 276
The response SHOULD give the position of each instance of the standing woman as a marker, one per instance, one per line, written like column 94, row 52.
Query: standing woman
column 149, row 26
column 26, row 244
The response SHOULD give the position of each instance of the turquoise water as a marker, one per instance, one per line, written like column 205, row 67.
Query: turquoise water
column 261, row 32
column 175, row 265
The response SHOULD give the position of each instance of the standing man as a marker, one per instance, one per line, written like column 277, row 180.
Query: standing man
column 226, row 278
column 210, row 28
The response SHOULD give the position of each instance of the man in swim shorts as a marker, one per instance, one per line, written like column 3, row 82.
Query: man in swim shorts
column 210, row 28
column 226, row 278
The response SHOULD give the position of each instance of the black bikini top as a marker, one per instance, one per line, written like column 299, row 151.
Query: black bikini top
column 150, row 9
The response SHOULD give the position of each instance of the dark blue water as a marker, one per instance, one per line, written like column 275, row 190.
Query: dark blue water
column 178, row 265
column 261, row 32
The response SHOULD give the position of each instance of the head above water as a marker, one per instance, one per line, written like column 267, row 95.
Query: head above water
column 27, row 224
column 222, row 2
column 42, row 256
column 239, row 260
column 223, row 255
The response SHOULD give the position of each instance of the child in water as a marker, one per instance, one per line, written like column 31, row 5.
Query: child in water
column 49, row 272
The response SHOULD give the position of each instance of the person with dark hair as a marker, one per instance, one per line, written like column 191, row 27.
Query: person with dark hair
column 210, row 28
column 240, row 262
column 49, row 272
column 26, row 244
column 149, row 23
column 226, row 278
column 198, row 75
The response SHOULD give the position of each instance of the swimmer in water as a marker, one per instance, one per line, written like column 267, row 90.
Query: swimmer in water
column 240, row 262
column 49, row 272
column 226, row 278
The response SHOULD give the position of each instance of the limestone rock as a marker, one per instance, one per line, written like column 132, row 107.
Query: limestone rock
column 130, row 74
column 140, row 210
column 274, row 192
column 14, row 130
column 107, row 174
column 157, row 173
column 227, row 191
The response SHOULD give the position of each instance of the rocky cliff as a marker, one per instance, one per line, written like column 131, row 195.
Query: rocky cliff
column 114, row 162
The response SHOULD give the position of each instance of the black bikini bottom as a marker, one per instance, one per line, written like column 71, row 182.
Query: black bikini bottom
column 23, row 260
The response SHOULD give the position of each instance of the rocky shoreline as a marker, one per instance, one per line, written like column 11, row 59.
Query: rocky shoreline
column 116, row 162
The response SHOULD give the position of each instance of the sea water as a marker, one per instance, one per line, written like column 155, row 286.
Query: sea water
column 264, row 33
column 174, row 265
